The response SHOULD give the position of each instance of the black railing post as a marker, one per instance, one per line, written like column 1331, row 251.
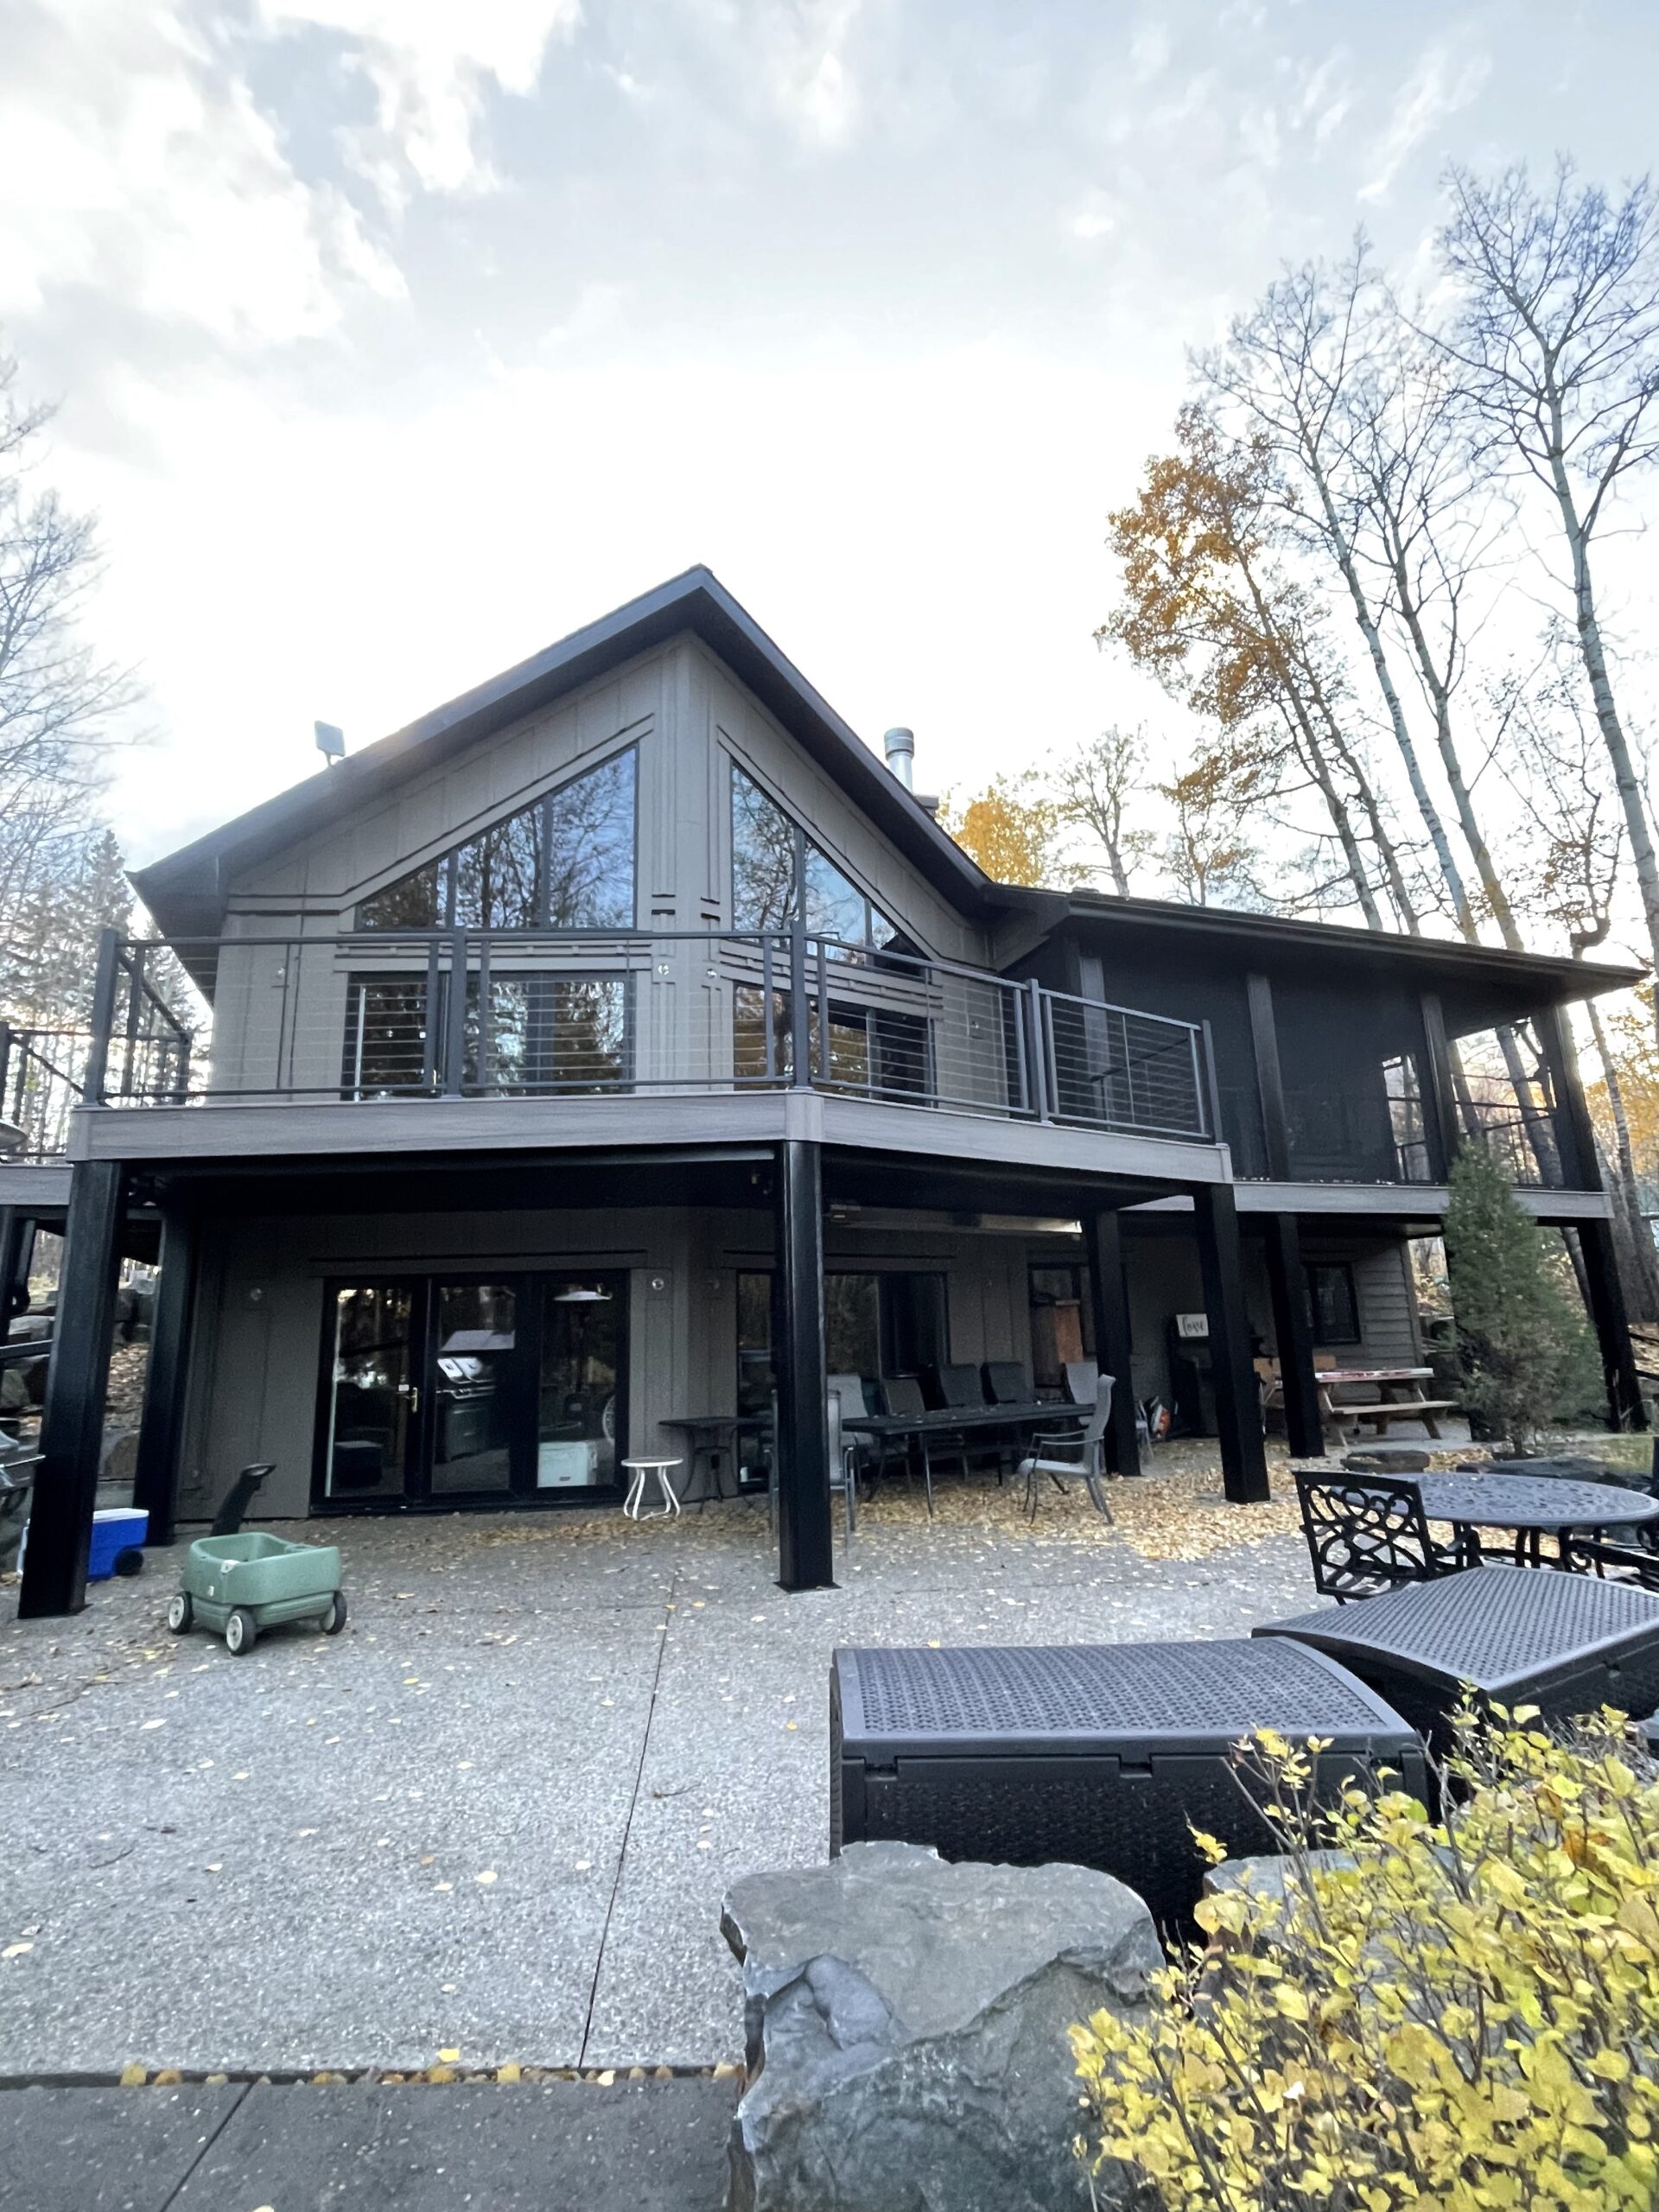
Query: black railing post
column 104, row 980
column 1232, row 1373
column 1575, row 1136
column 77, row 1382
column 5, row 1063
column 800, row 1030
column 1212, row 1086
column 1439, row 1101
column 1041, row 1069
column 455, row 1041
column 1270, row 1079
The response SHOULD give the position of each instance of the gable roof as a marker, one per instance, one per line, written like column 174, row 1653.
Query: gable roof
column 186, row 891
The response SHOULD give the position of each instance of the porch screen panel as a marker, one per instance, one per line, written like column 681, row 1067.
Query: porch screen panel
column 1350, row 1054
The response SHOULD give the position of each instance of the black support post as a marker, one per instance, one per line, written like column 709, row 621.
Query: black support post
column 1440, row 1103
column 1108, row 1291
column 1605, row 1298
column 1575, row 1136
column 1232, row 1373
column 1292, row 1329
column 72, row 1428
column 805, row 1528
column 1269, row 1081
column 160, row 1430
column 16, row 1244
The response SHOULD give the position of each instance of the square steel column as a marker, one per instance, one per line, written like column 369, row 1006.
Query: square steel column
column 161, row 1429
column 1292, row 1329
column 1606, row 1299
column 806, row 1526
column 72, row 1428
column 1108, row 1291
column 1238, row 1399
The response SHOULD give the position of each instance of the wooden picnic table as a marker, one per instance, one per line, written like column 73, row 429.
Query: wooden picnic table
column 1399, row 1397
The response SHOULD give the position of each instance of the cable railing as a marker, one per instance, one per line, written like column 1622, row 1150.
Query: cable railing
column 42, row 1074
column 386, row 1015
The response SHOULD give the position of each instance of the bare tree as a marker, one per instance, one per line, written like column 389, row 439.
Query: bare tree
column 59, row 874
column 1554, row 338
column 1096, row 789
column 1207, row 610
column 1292, row 372
column 1207, row 854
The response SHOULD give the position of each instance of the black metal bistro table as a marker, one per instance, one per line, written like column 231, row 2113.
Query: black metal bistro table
column 711, row 1439
column 1564, row 1643
column 1533, row 1506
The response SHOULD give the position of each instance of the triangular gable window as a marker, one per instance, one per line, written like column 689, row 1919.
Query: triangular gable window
column 772, row 856
column 565, row 861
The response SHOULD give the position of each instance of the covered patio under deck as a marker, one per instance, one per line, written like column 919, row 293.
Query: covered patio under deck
column 802, row 1161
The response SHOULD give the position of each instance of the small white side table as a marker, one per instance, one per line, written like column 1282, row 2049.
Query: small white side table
column 642, row 1472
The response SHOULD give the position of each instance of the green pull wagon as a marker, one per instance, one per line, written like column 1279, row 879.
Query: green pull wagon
column 241, row 1585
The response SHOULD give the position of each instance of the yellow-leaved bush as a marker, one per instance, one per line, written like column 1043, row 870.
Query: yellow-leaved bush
column 1460, row 2015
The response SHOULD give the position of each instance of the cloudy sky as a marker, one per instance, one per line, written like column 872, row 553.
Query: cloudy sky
column 395, row 338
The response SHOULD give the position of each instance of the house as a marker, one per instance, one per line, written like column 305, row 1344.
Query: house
column 624, row 1041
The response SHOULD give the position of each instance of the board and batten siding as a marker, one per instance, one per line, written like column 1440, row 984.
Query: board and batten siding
column 282, row 1011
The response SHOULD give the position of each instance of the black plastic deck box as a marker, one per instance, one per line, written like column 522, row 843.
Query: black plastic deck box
column 1567, row 1643
column 1098, row 1754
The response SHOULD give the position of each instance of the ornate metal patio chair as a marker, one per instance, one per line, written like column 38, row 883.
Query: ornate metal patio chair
column 1610, row 1562
column 1060, row 1454
column 1367, row 1533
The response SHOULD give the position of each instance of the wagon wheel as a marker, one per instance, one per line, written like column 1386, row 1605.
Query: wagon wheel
column 180, row 1612
column 334, row 1619
column 130, row 1561
column 240, row 1631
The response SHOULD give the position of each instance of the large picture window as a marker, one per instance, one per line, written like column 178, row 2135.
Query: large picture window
column 565, row 861
column 778, row 873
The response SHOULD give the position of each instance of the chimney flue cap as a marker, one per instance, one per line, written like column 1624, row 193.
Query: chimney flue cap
column 899, row 745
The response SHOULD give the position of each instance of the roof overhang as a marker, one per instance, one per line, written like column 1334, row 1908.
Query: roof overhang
column 185, row 892
column 1548, row 978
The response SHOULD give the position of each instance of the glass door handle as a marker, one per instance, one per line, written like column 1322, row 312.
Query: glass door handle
column 412, row 1392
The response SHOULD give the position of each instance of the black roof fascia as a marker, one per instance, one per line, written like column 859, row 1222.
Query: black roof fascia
column 186, row 890
column 1552, row 975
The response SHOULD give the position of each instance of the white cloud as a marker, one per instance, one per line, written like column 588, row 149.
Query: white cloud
column 804, row 43
column 133, row 164
column 1096, row 216
column 429, row 62
column 1448, row 77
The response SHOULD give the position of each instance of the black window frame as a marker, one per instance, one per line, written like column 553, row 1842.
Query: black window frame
column 1348, row 1293
column 446, row 866
column 800, row 846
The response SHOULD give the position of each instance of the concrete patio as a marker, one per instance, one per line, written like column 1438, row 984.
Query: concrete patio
column 497, row 1815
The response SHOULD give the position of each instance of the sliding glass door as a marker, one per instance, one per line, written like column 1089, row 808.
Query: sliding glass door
column 443, row 1390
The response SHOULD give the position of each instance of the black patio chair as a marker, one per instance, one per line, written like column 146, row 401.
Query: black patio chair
column 1007, row 1384
column 1367, row 1533
column 902, row 1400
column 1610, row 1562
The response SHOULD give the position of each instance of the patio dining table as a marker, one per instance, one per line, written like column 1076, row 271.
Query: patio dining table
column 884, row 1430
column 1533, row 1507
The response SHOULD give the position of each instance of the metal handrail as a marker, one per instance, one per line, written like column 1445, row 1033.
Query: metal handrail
column 424, row 1013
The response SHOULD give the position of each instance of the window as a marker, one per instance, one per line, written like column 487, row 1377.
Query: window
column 1334, row 1302
column 873, row 1324
column 566, row 862
column 544, row 1034
column 771, row 855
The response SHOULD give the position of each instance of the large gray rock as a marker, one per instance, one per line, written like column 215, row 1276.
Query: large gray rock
column 1387, row 1459
column 906, row 2029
